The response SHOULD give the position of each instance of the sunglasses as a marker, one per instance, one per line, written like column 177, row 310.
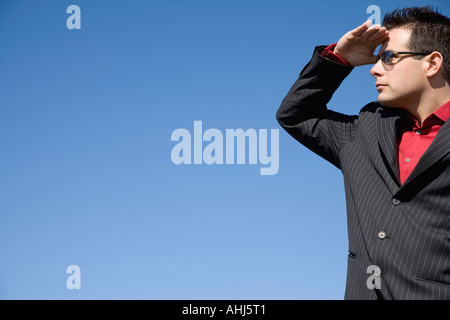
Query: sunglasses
column 388, row 56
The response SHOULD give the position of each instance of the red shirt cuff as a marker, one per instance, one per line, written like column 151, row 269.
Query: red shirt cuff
column 330, row 55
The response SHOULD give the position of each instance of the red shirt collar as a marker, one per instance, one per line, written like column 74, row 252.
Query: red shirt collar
column 439, row 116
column 443, row 112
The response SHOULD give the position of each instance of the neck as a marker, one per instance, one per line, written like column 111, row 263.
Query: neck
column 429, row 102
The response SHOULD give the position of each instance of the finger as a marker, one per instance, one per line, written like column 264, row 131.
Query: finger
column 359, row 30
column 380, row 37
column 378, row 34
column 375, row 26
column 381, row 41
column 369, row 32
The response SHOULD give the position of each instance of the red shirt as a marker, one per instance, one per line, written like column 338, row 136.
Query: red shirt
column 414, row 141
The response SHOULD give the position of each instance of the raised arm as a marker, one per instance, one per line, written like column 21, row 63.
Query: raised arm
column 303, row 112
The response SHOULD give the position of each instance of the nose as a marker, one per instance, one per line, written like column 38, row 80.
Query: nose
column 377, row 70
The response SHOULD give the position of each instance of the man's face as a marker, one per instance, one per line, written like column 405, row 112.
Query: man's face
column 399, row 85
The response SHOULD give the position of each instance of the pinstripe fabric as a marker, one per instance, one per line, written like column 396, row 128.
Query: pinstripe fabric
column 414, row 257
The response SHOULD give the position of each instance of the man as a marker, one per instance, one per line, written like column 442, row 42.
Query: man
column 394, row 155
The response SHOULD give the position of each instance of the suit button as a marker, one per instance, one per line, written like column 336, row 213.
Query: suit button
column 395, row 202
column 381, row 235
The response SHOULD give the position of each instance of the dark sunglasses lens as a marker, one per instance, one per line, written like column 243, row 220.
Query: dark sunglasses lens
column 386, row 56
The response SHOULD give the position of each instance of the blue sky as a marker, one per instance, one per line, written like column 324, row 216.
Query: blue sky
column 86, row 177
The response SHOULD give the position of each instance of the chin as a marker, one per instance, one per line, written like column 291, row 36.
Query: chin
column 389, row 102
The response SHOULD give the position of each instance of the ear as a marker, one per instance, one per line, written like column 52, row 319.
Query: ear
column 433, row 63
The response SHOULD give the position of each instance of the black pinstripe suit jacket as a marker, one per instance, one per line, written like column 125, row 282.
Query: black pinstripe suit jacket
column 402, row 229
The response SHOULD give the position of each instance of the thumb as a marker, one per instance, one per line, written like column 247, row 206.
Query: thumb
column 373, row 59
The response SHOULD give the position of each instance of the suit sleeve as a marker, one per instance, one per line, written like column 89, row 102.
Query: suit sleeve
column 304, row 114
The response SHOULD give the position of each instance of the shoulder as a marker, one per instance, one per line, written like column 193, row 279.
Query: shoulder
column 371, row 109
column 376, row 109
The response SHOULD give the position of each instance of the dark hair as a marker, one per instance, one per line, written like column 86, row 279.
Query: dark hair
column 430, row 31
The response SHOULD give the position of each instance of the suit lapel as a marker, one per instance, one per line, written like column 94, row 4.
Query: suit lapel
column 389, row 123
